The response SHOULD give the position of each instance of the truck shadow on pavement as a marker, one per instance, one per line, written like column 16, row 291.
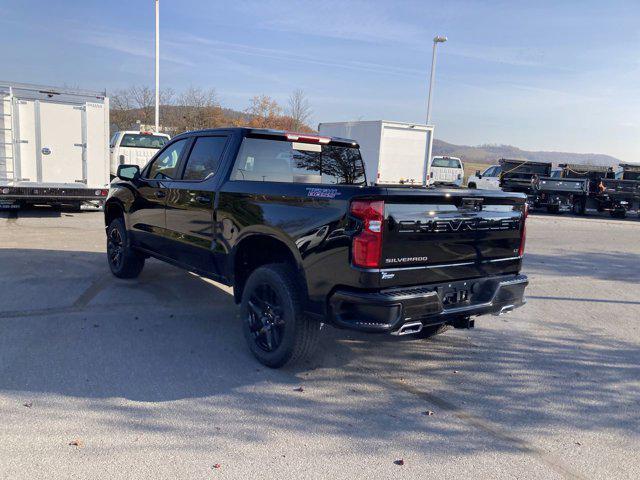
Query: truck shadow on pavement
column 170, row 336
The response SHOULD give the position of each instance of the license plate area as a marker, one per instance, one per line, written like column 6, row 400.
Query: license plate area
column 453, row 296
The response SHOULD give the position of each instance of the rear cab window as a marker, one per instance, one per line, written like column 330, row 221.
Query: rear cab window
column 446, row 163
column 271, row 160
column 143, row 140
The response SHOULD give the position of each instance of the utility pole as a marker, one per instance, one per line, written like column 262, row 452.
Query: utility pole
column 438, row 39
column 157, row 65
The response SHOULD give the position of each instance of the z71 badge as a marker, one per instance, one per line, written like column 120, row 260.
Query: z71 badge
column 322, row 192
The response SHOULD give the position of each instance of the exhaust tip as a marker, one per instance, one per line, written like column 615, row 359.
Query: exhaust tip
column 504, row 310
column 409, row 328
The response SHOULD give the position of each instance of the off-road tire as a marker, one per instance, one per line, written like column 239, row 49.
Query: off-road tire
column 578, row 208
column 129, row 263
column 300, row 334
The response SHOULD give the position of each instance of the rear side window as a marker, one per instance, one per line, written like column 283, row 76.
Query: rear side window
column 265, row 160
column 141, row 140
column 204, row 158
column 164, row 166
column 446, row 163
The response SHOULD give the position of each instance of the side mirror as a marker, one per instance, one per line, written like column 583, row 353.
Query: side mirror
column 478, row 174
column 128, row 172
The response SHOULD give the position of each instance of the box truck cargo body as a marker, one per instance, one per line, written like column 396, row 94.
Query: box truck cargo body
column 54, row 145
column 393, row 152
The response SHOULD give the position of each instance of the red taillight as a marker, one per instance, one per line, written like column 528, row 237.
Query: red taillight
column 367, row 245
column 523, row 231
column 302, row 137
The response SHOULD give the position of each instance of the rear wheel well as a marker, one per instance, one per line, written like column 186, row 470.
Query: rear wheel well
column 111, row 212
column 255, row 252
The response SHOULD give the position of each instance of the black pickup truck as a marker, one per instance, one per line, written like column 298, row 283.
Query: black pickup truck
column 289, row 221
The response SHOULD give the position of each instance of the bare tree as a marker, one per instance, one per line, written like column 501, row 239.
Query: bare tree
column 299, row 110
column 196, row 108
column 264, row 112
column 132, row 105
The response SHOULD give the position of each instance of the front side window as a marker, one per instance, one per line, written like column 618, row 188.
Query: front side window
column 143, row 140
column 114, row 139
column 164, row 166
column 204, row 158
column 489, row 172
column 265, row 160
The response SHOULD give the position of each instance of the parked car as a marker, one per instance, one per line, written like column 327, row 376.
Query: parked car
column 134, row 148
column 487, row 180
column 446, row 171
column 289, row 221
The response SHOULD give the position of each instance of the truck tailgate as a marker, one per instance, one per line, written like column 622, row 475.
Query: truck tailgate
column 450, row 227
column 568, row 185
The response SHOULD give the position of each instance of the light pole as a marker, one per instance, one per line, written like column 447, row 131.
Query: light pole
column 157, row 65
column 436, row 40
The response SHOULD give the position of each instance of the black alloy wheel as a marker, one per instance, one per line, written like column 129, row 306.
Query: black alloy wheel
column 274, row 324
column 123, row 260
column 115, row 248
column 266, row 321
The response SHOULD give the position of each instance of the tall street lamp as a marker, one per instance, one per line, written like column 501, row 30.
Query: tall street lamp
column 157, row 65
column 436, row 40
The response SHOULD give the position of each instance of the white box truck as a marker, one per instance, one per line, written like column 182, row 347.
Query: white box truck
column 54, row 145
column 394, row 153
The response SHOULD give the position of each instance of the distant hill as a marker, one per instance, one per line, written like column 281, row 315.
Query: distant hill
column 490, row 153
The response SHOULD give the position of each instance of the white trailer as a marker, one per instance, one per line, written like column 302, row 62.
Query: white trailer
column 393, row 152
column 54, row 145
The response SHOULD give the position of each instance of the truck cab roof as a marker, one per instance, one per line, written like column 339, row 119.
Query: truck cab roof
column 302, row 137
column 137, row 132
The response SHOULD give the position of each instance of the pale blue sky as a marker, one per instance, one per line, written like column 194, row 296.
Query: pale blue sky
column 538, row 75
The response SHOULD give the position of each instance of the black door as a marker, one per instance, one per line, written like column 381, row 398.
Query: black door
column 147, row 217
column 190, row 205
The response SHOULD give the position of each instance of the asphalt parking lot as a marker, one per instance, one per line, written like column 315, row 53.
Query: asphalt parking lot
column 151, row 377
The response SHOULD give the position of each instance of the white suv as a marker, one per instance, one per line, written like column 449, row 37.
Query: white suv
column 487, row 180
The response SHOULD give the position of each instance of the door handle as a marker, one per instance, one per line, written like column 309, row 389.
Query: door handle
column 160, row 194
column 204, row 199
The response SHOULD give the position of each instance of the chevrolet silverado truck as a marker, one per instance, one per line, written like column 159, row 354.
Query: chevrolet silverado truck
column 289, row 221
